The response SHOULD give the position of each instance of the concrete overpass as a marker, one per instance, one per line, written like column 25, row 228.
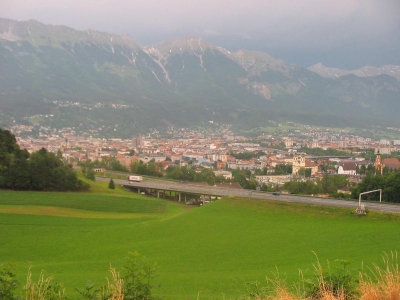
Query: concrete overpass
column 161, row 187
column 189, row 188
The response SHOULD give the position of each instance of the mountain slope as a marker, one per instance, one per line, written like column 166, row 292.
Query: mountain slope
column 367, row 71
column 99, row 82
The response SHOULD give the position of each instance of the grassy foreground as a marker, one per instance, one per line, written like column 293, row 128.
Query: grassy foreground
column 210, row 252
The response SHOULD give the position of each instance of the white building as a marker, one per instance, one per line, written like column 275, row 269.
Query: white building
column 348, row 168
column 226, row 174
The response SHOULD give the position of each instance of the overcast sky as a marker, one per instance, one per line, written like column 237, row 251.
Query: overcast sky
column 338, row 33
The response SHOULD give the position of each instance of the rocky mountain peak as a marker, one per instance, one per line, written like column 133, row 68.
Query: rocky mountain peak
column 327, row 72
column 39, row 34
column 187, row 45
column 257, row 62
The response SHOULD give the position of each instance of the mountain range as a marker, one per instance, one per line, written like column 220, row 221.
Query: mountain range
column 367, row 71
column 58, row 77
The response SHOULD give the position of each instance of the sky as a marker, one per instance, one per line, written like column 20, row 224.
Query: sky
column 338, row 33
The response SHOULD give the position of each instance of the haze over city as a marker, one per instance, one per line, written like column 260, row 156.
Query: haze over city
column 344, row 34
column 199, row 149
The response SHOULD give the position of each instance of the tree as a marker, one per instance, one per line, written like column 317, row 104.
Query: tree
column 389, row 183
column 18, row 175
column 87, row 168
column 116, row 165
column 369, row 183
column 13, row 163
column 111, row 184
column 153, row 169
column 281, row 169
column 182, row 173
column 208, row 176
column 240, row 177
column 41, row 170
column 48, row 172
column 246, row 155
column 330, row 184
column 362, row 169
column 252, row 184
column 137, row 275
column 269, row 187
column 302, row 171
column 90, row 175
column 220, row 178
column 134, row 166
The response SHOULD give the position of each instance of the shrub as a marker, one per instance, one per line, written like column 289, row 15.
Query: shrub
column 138, row 274
column 133, row 282
column 7, row 282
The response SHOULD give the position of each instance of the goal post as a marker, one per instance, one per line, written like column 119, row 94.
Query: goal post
column 380, row 195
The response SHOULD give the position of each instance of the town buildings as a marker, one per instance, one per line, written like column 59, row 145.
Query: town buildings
column 215, row 148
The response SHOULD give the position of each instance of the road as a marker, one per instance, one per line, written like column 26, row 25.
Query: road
column 216, row 191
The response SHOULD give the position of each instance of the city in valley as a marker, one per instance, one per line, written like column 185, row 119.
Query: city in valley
column 289, row 152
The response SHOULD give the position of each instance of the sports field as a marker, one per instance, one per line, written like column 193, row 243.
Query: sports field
column 210, row 252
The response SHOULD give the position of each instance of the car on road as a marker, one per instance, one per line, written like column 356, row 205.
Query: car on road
column 276, row 193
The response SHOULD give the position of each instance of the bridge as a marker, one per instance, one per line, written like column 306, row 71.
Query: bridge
column 183, row 189
column 180, row 189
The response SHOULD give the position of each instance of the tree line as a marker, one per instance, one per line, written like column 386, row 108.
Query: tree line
column 328, row 184
column 389, row 183
column 39, row 171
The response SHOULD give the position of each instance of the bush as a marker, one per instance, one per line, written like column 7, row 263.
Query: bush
column 7, row 282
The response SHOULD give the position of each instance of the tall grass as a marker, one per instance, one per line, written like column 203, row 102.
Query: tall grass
column 376, row 283
column 115, row 286
column 43, row 289
column 383, row 284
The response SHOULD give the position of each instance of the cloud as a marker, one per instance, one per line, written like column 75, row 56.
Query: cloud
column 317, row 24
column 216, row 15
column 210, row 32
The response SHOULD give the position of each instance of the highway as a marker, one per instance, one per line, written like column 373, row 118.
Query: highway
column 226, row 192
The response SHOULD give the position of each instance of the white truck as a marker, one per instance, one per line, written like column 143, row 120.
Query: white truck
column 134, row 178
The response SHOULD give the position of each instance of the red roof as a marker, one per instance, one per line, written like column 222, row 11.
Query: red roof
column 391, row 161
column 310, row 164
column 349, row 166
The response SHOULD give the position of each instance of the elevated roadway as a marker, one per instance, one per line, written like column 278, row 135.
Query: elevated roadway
column 188, row 188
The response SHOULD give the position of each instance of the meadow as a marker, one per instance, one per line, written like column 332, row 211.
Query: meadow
column 213, row 252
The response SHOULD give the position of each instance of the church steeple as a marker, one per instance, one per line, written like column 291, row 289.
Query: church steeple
column 378, row 164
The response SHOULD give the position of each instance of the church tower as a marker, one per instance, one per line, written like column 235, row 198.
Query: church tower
column 378, row 164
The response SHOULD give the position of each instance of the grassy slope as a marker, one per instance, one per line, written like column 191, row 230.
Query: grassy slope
column 210, row 250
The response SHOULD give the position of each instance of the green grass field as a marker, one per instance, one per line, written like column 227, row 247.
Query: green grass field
column 208, row 252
